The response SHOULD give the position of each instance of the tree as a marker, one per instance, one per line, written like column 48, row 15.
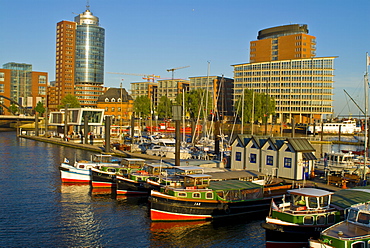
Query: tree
column 164, row 108
column 196, row 100
column 40, row 108
column 142, row 106
column 71, row 100
column 264, row 106
column 13, row 109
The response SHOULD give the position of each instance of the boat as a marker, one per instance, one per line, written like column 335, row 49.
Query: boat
column 79, row 171
column 167, row 148
column 353, row 232
column 337, row 162
column 293, row 222
column 103, row 177
column 345, row 127
column 133, row 179
column 199, row 198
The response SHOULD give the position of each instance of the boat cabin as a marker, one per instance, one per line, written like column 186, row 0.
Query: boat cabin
column 196, row 181
column 359, row 214
column 309, row 199
column 188, row 170
column 133, row 163
column 104, row 158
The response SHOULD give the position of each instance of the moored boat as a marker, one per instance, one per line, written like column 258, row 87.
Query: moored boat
column 199, row 198
column 345, row 127
column 79, row 171
column 293, row 222
column 354, row 232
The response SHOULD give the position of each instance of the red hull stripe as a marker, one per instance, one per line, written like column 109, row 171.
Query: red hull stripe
column 69, row 180
column 102, row 184
column 157, row 215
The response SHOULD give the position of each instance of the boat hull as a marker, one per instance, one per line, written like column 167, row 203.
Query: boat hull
column 164, row 209
column 130, row 187
column 290, row 236
column 70, row 174
column 103, row 180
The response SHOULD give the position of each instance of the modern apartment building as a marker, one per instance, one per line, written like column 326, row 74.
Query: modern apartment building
column 221, row 90
column 79, row 66
column 283, row 65
column 23, row 86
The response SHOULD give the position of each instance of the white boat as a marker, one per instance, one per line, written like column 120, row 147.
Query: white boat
column 79, row 171
column 337, row 162
column 167, row 148
column 345, row 127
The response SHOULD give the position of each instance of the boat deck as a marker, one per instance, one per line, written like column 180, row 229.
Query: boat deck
column 347, row 230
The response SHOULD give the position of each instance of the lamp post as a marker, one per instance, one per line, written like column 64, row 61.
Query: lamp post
column 66, row 122
column 176, row 116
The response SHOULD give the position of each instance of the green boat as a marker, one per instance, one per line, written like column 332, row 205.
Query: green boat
column 354, row 232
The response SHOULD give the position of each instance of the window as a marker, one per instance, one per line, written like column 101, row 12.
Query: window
column 181, row 194
column 308, row 220
column 238, row 156
column 331, row 219
column 2, row 76
column 106, row 100
column 269, row 160
column 112, row 109
column 42, row 79
column 320, row 220
column 253, row 158
column 209, row 195
column 359, row 244
column 287, row 162
column 2, row 88
column 196, row 195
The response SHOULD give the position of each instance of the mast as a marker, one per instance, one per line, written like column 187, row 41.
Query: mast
column 366, row 109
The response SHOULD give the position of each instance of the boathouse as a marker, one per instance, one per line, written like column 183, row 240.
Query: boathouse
column 290, row 158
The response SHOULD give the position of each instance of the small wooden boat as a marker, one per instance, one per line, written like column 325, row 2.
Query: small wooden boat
column 354, row 232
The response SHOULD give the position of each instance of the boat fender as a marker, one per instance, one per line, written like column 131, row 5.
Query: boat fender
column 224, row 160
column 226, row 209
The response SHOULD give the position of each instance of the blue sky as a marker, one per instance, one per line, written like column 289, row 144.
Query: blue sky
column 149, row 37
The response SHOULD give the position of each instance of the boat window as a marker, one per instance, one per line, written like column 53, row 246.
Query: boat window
column 359, row 244
column 111, row 170
column 181, row 194
column 331, row 218
column 308, row 220
column 196, row 195
column 320, row 220
column 324, row 201
column 312, row 202
column 82, row 166
column 209, row 195
column 363, row 218
column 352, row 214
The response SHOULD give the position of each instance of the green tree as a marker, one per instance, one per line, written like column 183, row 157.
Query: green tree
column 195, row 103
column 264, row 106
column 142, row 106
column 40, row 108
column 13, row 109
column 71, row 100
column 164, row 108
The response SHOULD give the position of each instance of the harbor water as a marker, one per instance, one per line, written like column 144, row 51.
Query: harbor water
column 37, row 210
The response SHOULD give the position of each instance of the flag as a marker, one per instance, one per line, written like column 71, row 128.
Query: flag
column 66, row 160
column 274, row 206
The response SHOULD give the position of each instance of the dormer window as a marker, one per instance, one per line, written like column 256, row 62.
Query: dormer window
column 119, row 100
column 106, row 99
column 113, row 100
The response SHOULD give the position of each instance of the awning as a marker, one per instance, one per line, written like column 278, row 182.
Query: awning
column 309, row 156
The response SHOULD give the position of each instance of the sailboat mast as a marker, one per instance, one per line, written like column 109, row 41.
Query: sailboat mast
column 366, row 109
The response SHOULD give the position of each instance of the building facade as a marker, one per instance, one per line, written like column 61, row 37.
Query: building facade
column 300, row 83
column 221, row 90
column 79, row 60
column 117, row 103
column 23, row 86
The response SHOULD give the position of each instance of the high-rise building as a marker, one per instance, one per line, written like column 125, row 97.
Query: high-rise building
column 283, row 65
column 283, row 42
column 79, row 66
column 21, row 86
